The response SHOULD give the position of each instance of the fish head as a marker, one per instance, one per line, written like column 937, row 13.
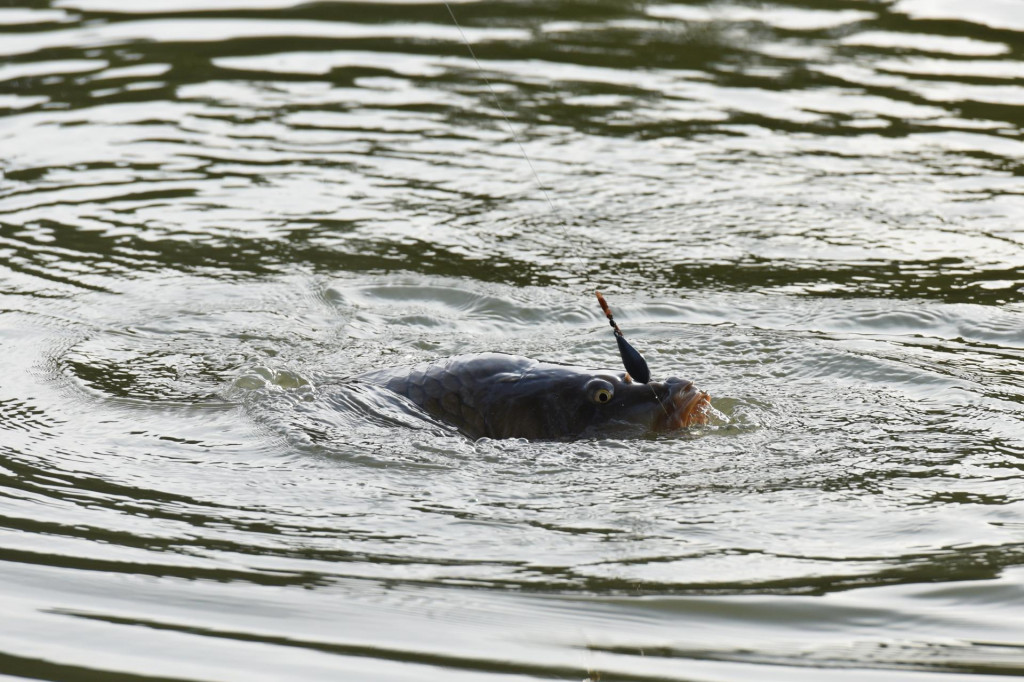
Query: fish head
column 621, row 405
column 560, row 402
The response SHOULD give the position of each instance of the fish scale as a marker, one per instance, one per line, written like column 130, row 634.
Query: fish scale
column 505, row 396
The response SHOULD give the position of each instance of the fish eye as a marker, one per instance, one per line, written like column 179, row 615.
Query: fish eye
column 600, row 391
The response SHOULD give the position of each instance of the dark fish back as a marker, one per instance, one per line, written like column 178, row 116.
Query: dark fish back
column 460, row 390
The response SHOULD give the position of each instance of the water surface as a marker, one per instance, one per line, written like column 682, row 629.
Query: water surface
column 212, row 214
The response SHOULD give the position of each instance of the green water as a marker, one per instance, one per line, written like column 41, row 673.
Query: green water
column 212, row 213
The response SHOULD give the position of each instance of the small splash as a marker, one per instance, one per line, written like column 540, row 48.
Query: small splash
column 261, row 376
column 714, row 416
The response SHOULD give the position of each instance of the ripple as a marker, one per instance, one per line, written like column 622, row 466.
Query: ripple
column 952, row 45
column 786, row 18
column 212, row 217
column 166, row 30
column 323, row 63
column 998, row 14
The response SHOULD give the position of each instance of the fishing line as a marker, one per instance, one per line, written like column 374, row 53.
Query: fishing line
column 634, row 362
column 512, row 131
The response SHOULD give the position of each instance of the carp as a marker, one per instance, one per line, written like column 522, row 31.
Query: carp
column 494, row 395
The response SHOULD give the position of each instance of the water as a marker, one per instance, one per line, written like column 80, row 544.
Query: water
column 212, row 213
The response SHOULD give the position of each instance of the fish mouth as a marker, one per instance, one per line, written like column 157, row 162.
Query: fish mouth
column 686, row 407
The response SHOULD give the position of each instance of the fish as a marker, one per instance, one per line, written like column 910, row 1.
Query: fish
column 495, row 395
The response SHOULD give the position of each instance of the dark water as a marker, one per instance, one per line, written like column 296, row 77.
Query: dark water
column 211, row 213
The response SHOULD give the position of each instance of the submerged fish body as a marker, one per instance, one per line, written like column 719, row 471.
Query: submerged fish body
column 505, row 396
